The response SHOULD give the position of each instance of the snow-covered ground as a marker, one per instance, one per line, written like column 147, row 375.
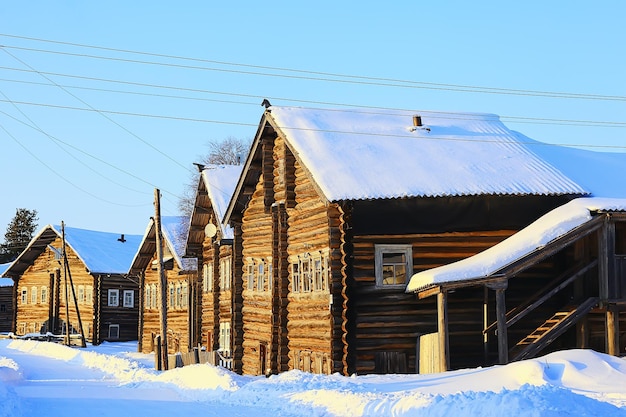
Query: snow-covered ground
column 40, row 378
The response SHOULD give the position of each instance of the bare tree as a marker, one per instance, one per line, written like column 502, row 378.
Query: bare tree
column 229, row 151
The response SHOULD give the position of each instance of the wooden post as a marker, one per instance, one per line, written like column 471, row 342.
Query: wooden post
column 503, row 347
column 612, row 330
column 67, row 298
column 142, row 292
column 162, row 278
column 485, row 325
column 442, row 330
column 158, row 358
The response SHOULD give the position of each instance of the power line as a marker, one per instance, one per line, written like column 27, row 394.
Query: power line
column 108, row 118
column 314, row 75
column 512, row 119
column 362, row 133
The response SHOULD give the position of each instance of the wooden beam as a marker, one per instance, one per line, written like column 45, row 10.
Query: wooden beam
column 503, row 347
column 442, row 329
column 612, row 330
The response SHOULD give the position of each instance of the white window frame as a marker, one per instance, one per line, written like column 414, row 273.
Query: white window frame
column 113, row 297
column 295, row 276
column 250, row 275
column 117, row 327
column 381, row 250
column 146, row 298
column 305, row 274
column 185, row 295
column 129, row 299
column 43, row 294
column 24, row 296
column 33, row 295
column 260, row 277
column 225, row 273
column 224, row 341
column 89, row 294
column 155, row 300
column 81, row 294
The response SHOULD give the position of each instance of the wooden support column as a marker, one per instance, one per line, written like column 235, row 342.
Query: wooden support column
column 503, row 346
column 442, row 330
column 612, row 330
column 485, row 325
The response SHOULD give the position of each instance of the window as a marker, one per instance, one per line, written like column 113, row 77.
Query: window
column 270, row 276
column 295, row 275
column 207, row 277
column 225, row 338
column 184, row 296
column 393, row 265
column 44, row 295
column 24, row 296
column 225, row 273
column 155, row 300
column 89, row 294
column 114, row 331
column 179, row 296
column 261, row 277
column 3, row 308
column 114, row 298
column 251, row 277
column 319, row 283
column 129, row 298
column 305, row 275
column 33, row 295
column 146, row 297
column 172, row 290
column 81, row 294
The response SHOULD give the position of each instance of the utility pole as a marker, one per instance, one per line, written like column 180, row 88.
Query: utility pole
column 68, row 273
column 162, row 278
column 67, row 298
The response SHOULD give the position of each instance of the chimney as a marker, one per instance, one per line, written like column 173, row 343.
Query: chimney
column 121, row 238
column 417, row 120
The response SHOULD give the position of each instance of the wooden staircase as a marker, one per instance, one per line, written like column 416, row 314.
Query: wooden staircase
column 552, row 328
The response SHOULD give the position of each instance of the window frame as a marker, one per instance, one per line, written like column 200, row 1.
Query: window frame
column 113, row 326
column 113, row 301
column 131, row 302
column 382, row 249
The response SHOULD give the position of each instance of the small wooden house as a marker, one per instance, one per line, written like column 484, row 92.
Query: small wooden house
column 7, row 300
column 210, row 241
column 336, row 209
column 182, row 287
column 94, row 285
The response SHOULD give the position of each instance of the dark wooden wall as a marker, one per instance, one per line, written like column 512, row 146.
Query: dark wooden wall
column 6, row 313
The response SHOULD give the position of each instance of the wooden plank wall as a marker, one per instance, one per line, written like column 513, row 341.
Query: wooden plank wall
column 126, row 317
column 389, row 319
column 309, row 319
column 177, row 318
column 257, row 305
column 6, row 308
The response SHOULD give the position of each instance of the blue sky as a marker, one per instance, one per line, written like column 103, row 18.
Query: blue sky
column 92, row 156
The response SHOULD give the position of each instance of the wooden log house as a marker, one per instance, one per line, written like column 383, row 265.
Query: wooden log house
column 103, row 295
column 182, row 313
column 7, row 300
column 210, row 241
column 336, row 209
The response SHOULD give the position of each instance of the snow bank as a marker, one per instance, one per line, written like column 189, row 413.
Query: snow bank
column 575, row 382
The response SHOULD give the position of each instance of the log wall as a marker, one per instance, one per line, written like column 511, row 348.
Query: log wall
column 6, row 308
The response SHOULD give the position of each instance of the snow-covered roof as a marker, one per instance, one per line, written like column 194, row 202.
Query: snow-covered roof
column 220, row 182
column 174, row 229
column 358, row 154
column 101, row 252
column 601, row 173
column 547, row 228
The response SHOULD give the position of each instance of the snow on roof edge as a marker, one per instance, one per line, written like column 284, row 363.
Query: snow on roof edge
column 544, row 230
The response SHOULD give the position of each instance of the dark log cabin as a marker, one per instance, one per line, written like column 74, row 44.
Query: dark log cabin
column 7, row 300
column 182, row 287
column 336, row 209
column 210, row 241
column 97, row 265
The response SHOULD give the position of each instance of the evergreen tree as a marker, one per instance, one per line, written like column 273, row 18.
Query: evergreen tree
column 19, row 234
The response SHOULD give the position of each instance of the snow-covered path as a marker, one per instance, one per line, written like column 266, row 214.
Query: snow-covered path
column 45, row 385
column 40, row 378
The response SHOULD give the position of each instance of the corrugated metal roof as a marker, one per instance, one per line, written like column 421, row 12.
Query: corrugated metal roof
column 358, row 154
